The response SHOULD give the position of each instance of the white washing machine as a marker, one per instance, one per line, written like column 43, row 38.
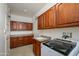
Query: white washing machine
column 46, row 51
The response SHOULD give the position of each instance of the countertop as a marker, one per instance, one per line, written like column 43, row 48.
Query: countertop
column 21, row 33
column 41, row 39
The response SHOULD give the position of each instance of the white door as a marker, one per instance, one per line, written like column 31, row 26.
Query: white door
column 3, row 20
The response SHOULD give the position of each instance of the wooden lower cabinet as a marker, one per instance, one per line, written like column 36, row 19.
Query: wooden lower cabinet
column 27, row 40
column 13, row 42
column 20, row 41
column 37, row 48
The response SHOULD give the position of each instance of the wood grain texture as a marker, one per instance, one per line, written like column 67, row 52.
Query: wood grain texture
column 47, row 20
column 37, row 48
column 20, row 41
column 19, row 26
column 68, row 15
column 59, row 16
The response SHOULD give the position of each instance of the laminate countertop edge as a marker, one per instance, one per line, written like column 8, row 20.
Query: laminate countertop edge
column 19, row 35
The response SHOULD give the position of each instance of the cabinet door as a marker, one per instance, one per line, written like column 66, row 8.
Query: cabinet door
column 68, row 13
column 46, row 20
column 29, row 26
column 13, row 42
column 27, row 40
column 14, row 25
column 19, row 26
column 20, row 41
column 24, row 26
column 52, row 17
column 37, row 48
column 30, row 39
column 41, row 22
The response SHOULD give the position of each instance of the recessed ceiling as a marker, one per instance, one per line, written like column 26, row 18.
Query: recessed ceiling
column 26, row 9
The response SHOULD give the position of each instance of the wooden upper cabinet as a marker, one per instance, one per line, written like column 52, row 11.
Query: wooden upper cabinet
column 47, row 20
column 24, row 26
column 60, row 15
column 52, row 17
column 29, row 26
column 41, row 22
column 19, row 26
column 67, row 14
column 13, row 25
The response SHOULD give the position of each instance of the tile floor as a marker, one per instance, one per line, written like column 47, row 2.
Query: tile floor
column 22, row 51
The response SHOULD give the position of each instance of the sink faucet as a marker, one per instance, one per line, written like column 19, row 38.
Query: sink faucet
column 66, row 35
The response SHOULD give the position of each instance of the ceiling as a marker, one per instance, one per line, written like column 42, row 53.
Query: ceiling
column 26, row 9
